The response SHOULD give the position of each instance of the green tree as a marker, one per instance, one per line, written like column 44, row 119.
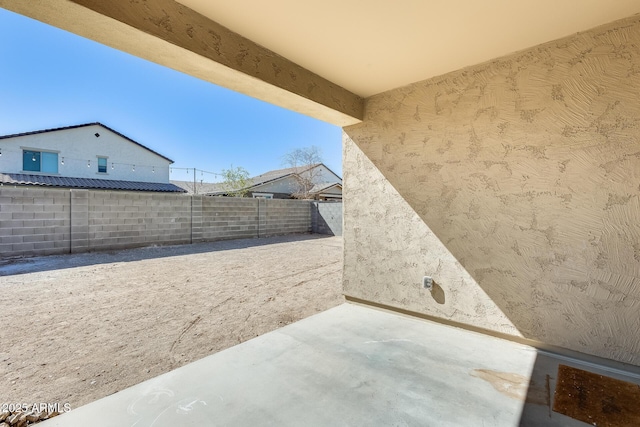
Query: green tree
column 235, row 181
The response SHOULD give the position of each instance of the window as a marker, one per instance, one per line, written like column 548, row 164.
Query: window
column 39, row 161
column 102, row 165
column 262, row 196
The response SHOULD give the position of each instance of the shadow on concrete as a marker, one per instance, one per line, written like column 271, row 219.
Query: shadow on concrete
column 538, row 404
column 9, row 267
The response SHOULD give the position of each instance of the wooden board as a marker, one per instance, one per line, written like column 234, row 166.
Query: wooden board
column 596, row 399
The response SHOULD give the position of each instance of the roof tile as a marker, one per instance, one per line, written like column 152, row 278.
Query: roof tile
column 89, row 183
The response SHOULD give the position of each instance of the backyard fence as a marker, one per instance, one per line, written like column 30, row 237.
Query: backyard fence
column 43, row 221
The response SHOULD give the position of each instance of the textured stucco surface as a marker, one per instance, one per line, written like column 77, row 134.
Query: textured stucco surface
column 516, row 185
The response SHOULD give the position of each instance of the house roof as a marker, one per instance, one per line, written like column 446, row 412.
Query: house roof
column 269, row 177
column 202, row 187
column 85, row 125
column 324, row 186
column 89, row 183
column 279, row 173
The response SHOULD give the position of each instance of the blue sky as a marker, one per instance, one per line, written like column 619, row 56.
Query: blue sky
column 51, row 78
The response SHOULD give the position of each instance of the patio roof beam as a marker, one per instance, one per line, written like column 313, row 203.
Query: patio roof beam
column 169, row 33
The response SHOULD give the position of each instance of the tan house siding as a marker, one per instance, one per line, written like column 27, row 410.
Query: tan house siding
column 516, row 185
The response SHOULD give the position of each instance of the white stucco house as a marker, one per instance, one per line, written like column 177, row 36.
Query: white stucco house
column 313, row 182
column 90, row 156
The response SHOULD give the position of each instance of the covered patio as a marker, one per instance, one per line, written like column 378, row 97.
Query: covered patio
column 493, row 146
column 351, row 366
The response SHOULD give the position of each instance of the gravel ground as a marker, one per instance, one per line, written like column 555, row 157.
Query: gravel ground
column 75, row 328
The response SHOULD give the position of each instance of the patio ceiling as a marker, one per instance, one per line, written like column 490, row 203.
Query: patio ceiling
column 321, row 58
column 371, row 46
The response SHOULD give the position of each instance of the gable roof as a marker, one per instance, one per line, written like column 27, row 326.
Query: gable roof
column 202, row 187
column 267, row 177
column 279, row 173
column 324, row 186
column 85, row 125
column 282, row 173
column 90, row 183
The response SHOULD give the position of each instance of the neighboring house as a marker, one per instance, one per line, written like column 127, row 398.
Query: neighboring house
column 327, row 191
column 83, row 156
column 198, row 188
column 321, row 182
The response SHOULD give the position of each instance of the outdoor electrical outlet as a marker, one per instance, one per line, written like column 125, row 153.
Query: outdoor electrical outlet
column 427, row 282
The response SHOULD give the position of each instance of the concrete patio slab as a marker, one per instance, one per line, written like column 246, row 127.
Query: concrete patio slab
column 350, row 366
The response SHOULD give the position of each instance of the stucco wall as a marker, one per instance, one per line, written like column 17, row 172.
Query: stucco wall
column 79, row 147
column 516, row 185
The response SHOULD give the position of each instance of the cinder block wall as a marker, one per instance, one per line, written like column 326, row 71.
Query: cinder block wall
column 285, row 216
column 128, row 219
column 326, row 218
column 229, row 218
column 515, row 184
column 36, row 221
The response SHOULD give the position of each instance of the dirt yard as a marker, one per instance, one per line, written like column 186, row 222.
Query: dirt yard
column 75, row 328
